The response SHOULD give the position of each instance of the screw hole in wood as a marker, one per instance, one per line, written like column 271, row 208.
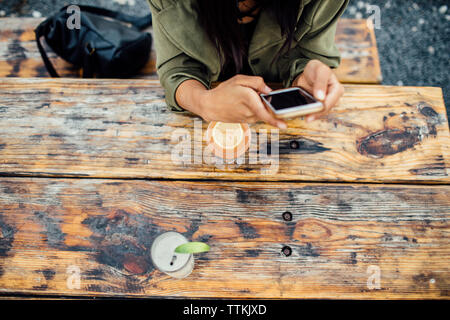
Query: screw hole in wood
column 294, row 145
column 286, row 251
column 287, row 216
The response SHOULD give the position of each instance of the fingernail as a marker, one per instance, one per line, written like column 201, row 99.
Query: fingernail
column 267, row 89
column 320, row 95
column 282, row 125
column 310, row 119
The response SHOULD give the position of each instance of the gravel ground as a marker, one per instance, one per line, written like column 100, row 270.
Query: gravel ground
column 413, row 37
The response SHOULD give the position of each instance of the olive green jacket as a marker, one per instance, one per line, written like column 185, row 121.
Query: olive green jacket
column 184, row 51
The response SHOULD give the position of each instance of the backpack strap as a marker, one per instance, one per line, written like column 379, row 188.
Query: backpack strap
column 39, row 31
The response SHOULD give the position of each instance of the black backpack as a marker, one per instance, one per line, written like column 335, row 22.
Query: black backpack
column 102, row 43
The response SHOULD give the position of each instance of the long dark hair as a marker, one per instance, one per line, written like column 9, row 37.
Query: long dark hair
column 220, row 20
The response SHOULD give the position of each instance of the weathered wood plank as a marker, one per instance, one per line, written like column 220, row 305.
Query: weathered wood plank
column 356, row 41
column 338, row 232
column 122, row 128
column 19, row 56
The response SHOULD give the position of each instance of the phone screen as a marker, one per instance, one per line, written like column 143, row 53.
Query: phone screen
column 288, row 99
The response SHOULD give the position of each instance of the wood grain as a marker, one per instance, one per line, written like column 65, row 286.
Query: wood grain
column 123, row 129
column 106, row 228
column 356, row 41
column 19, row 55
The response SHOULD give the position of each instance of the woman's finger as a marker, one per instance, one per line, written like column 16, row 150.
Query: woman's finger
column 335, row 92
column 247, row 113
column 261, row 112
column 321, row 80
column 252, row 120
column 254, row 82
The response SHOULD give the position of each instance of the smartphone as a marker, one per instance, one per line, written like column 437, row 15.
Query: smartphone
column 291, row 102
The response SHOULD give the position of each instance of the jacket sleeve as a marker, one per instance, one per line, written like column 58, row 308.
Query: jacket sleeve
column 173, row 65
column 321, row 18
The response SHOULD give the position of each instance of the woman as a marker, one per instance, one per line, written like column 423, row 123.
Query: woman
column 245, row 44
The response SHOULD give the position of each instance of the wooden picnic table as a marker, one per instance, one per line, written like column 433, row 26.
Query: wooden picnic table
column 20, row 57
column 91, row 171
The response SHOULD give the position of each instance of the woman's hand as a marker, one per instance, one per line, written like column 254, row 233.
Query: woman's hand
column 237, row 100
column 320, row 81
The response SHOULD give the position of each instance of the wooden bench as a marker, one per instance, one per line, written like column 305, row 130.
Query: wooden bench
column 19, row 56
column 74, row 154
